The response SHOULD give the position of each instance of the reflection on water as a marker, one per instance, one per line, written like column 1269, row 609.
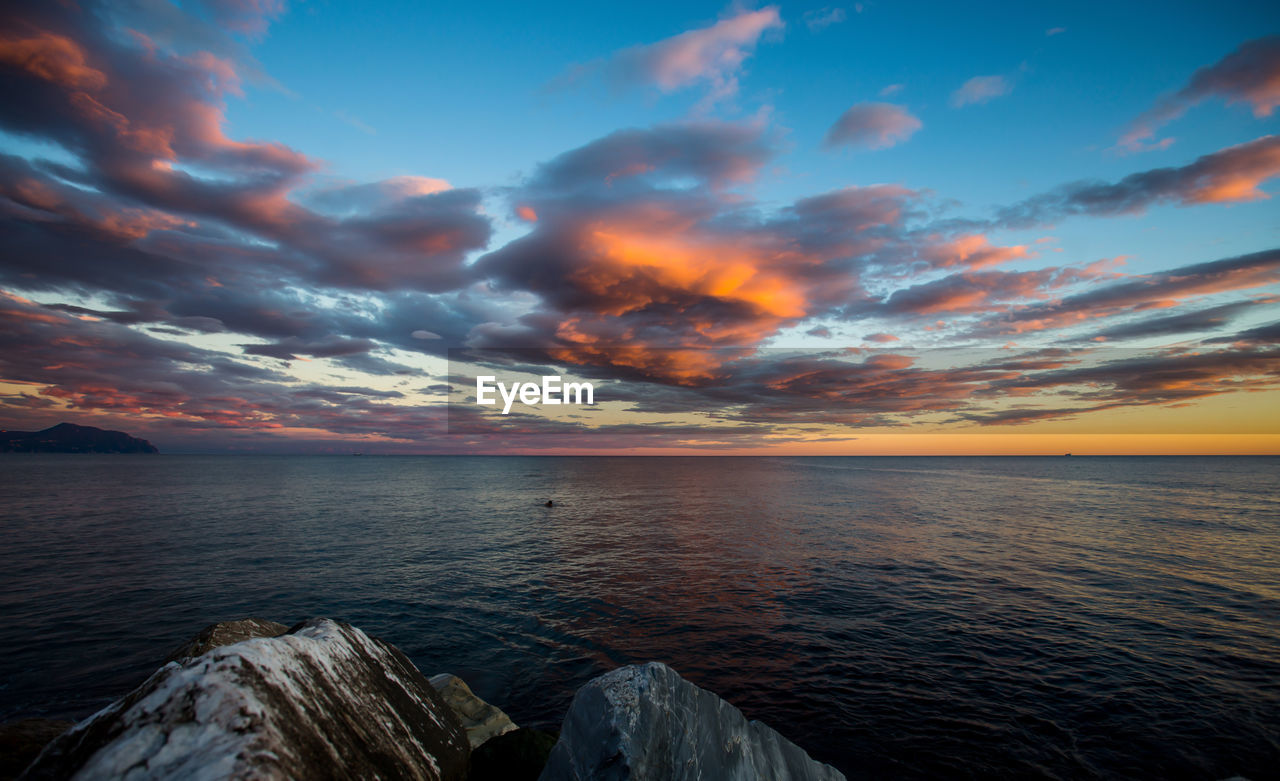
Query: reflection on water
column 906, row 617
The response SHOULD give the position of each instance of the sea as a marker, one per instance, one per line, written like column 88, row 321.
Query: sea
column 906, row 618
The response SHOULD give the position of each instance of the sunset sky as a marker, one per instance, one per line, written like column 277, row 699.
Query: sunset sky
column 863, row 228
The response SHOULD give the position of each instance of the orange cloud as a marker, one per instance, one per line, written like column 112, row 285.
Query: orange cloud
column 1237, row 173
column 973, row 251
column 1230, row 175
column 54, row 58
column 631, row 266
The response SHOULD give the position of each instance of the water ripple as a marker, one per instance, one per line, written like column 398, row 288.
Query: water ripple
column 904, row 618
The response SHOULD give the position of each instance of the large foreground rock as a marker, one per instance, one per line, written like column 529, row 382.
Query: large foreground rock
column 322, row 701
column 645, row 723
column 481, row 720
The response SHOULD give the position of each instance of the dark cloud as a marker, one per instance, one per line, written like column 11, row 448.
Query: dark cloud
column 1160, row 290
column 1263, row 334
column 1250, row 74
column 711, row 153
column 1213, row 318
column 1229, row 175
column 290, row 349
column 141, row 121
column 977, row 291
column 1168, row 377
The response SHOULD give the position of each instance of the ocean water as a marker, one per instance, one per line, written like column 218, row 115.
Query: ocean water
column 897, row 617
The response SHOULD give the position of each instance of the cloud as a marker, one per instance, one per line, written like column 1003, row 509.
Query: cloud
column 851, row 221
column 978, row 291
column 712, row 153
column 1052, row 31
column 1210, row 319
column 820, row 19
column 640, row 240
column 1161, row 290
column 363, row 197
column 711, row 56
column 972, row 251
column 643, row 254
column 873, row 125
column 160, row 188
column 290, row 349
column 980, row 89
column 1250, row 74
column 1230, row 175
column 1168, row 377
column 250, row 17
column 1263, row 334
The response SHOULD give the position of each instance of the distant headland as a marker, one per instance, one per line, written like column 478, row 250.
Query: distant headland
column 70, row 438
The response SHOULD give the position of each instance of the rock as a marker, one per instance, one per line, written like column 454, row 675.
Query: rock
column 518, row 755
column 22, row 740
column 322, row 701
column 645, row 722
column 481, row 720
column 226, row 633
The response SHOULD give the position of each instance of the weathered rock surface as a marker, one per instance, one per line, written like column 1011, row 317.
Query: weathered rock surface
column 322, row 701
column 481, row 720
column 519, row 755
column 226, row 633
column 645, row 722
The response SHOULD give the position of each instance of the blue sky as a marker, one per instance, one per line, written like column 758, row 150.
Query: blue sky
column 443, row 90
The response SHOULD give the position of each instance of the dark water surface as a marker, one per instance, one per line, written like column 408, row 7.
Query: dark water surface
column 897, row 617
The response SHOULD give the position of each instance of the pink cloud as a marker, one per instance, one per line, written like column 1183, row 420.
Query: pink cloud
column 820, row 19
column 1250, row 74
column 980, row 89
column 973, row 251
column 713, row 56
column 249, row 17
column 874, row 126
column 54, row 58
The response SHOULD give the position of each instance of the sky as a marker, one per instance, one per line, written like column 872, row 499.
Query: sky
column 865, row 228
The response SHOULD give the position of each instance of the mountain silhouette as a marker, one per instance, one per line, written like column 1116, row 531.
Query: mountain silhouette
column 70, row 438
